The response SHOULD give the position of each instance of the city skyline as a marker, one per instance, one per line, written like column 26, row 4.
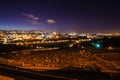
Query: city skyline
column 61, row 15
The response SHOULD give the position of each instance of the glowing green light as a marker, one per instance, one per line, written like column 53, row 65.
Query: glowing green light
column 97, row 45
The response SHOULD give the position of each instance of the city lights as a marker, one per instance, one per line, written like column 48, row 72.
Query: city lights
column 59, row 40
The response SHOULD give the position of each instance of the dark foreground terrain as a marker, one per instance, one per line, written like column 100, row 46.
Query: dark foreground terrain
column 69, row 73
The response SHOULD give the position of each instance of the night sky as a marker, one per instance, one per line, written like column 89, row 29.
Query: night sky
column 61, row 15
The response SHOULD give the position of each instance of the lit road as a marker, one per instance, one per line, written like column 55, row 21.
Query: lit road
column 12, row 71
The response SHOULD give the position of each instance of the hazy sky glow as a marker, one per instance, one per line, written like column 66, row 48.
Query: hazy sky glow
column 61, row 15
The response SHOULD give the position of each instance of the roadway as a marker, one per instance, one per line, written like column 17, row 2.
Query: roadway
column 27, row 74
column 16, row 72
